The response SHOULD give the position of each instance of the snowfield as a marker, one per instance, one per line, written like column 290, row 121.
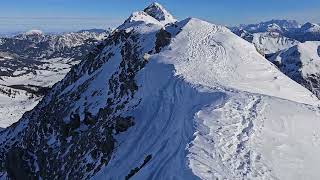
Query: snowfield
column 36, row 59
column 12, row 107
column 272, row 42
column 185, row 100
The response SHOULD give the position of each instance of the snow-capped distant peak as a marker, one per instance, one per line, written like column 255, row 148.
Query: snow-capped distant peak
column 137, row 18
column 34, row 32
column 283, row 25
column 310, row 27
column 161, row 14
column 274, row 28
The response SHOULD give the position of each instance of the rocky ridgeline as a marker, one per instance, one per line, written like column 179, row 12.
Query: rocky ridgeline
column 61, row 137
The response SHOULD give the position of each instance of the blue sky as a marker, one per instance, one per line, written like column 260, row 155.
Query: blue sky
column 67, row 15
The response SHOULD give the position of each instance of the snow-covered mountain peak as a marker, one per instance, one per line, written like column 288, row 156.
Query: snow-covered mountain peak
column 140, row 21
column 310, row 27
column 141, row 16
column 154, row 14
column 35, row 36
column 34, row 32
column 273, row 28
column 304, row 55
column 272, row 25
column 271, row 42
column 158, row 12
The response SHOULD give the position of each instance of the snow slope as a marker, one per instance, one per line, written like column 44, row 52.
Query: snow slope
column 272, row 42
column 197, row 122
column 302, row 64
column 17, row 94
column 267, row 43
column 307, row 32
column 190, row 100
column 13, row 106
column 218, row 55
column 36, row 59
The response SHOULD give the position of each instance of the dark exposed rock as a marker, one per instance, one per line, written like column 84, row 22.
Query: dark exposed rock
column 122, row 124
column 17, row 167
column 137, row 169
column 163, row 39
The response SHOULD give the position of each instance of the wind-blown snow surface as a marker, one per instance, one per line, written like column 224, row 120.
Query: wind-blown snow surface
column 197, row 122
column 207, row 106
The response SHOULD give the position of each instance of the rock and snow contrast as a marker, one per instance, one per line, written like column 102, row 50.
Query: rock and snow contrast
column 268, row 42
column 275, row 35
column 272, row 25
column 302, row 64
column 156, row 11
column 30, row 63
column 292, row 47
column 183, row 100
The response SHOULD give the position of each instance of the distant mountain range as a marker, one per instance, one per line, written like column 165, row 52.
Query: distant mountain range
column 289, row 28
column 31, row 62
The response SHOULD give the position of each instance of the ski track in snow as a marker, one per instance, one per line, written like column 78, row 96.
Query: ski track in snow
column 220, row 148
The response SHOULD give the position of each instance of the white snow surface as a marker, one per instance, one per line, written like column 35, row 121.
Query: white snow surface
column 306, row 53
column 13, row 107
column 272, row 42
column 140, row 20
column 34, row 32
column 213, row 56
column 213, row 108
